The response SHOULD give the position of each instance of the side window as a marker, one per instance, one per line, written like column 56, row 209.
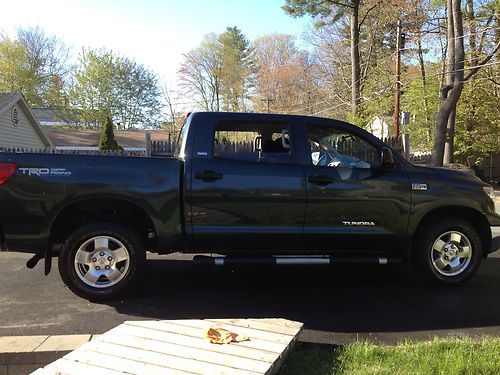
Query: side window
column 336, row 148
column 254, row 142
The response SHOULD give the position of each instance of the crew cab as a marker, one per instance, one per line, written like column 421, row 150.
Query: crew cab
column 253, row 188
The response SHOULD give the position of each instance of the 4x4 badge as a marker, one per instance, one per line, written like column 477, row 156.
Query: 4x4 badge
column 419, row 186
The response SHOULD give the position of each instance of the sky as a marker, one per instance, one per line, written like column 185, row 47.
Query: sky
column 154, row 32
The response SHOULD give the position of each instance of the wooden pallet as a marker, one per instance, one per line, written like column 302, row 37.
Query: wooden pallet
column 179, row 347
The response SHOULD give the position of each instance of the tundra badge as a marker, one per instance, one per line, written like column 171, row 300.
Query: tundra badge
column 359, row 223
column 419, row 186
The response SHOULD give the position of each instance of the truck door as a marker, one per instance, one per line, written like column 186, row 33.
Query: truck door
column 248, row 194
column 353, row 204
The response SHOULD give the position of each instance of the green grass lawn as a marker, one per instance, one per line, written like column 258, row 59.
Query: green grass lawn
column 440, row 356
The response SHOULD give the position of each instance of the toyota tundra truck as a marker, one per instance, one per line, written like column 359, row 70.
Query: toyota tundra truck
column 250, row 188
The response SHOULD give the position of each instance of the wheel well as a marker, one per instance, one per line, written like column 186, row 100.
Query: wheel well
column 114, row 210
column 473, row 217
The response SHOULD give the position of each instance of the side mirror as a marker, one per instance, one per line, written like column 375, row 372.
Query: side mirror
column 386, row 158
column 258, row 144
column 285, row 141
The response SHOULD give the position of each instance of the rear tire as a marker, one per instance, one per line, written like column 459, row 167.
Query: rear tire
column 448, row 252
column 101, row 261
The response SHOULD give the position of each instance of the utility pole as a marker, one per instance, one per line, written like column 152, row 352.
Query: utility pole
column 397, row 100
column 268, row 100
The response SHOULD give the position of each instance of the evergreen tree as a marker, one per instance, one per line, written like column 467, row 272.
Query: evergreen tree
column 107, row 142
column 237, row 66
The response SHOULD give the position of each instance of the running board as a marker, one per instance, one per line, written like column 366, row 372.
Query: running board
column 284, row 260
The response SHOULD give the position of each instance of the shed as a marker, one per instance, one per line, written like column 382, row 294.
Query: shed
column 18, row 126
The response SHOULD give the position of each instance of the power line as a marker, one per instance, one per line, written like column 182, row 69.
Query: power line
column 328, row 109
column 482, row 79
column 315, row 80
column 308, row 107
column 478, row 33
column 452, row 71
column 364, row 98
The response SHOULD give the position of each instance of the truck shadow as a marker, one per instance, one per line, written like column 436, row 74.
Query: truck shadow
column 328, row 299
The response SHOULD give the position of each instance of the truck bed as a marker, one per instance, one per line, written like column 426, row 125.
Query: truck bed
column 44, row 185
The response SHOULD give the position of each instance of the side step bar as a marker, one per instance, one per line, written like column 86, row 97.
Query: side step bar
column 284, row 260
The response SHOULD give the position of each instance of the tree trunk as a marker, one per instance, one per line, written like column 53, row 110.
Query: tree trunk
column 450, row 94
column 471, row 20
column 450, row 137
column 355, row 58
column 450, row 67
column 424, row 85
column 497, row 30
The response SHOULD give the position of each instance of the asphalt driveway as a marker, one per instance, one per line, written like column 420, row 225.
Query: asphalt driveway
column 337, row 304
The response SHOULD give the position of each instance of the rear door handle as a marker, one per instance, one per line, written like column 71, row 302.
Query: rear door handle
column 321, row 180
column 208, row 176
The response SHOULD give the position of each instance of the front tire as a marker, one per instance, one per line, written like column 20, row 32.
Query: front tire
column 101, row 261
column 449, row 252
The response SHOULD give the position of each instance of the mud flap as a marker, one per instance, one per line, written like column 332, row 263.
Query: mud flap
column 48, row 260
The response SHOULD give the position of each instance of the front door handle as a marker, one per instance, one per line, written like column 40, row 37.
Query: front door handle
column 208, row 176
column 321, row 180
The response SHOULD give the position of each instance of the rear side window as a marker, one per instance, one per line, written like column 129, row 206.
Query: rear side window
column 262, row 142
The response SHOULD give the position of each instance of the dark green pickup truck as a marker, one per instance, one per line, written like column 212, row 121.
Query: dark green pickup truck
column 252, row 188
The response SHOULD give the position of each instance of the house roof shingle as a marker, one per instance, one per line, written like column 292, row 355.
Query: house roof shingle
column 90, row 138
column 6, row 98
column 47, row 115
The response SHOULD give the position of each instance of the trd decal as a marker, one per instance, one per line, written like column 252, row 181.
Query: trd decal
column 45, row 171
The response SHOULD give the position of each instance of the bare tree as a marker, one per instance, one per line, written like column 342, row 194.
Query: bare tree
column 174, row 117
column 200, row 73
column 329, row 12
column 283, row 80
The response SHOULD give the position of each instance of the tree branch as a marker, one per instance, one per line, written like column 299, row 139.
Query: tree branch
column 483, row 34
column 339, row 3
column 494, row 81
column 480, row 65
column 367, row 12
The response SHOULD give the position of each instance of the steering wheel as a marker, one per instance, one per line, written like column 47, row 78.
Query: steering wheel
column 323, row 160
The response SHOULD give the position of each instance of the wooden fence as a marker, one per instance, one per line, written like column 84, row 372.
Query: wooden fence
column 395, row 143
column 19, row 150
column 222, row 147
column 423, row 159
column 170, row 148
column 162, row 148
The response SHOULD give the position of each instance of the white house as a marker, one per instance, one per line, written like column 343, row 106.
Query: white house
column 378, row 127
column 18, row 126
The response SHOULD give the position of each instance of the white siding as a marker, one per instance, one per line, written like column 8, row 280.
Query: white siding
column 22, row 135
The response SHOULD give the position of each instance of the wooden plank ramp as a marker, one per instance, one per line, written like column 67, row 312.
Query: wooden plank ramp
column 180, row 347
